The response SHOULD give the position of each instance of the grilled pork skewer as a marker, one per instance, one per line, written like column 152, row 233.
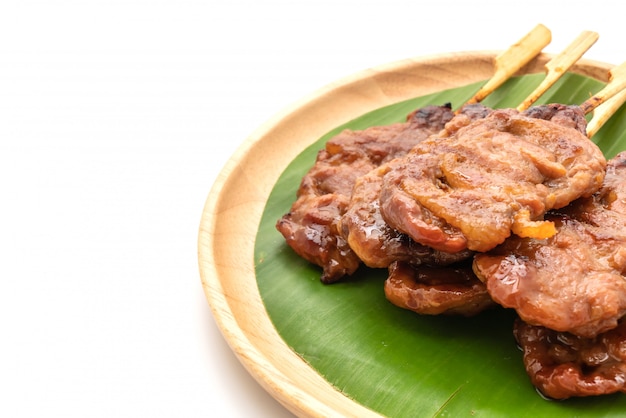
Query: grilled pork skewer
column 444, row 195
column 411, row 288
column 557, row 66
column 443, row 289
column 573, row 281
column 312, row 226
column 470, row 187
column 376, row 243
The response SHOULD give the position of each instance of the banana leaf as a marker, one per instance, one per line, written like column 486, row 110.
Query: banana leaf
column 393, row 361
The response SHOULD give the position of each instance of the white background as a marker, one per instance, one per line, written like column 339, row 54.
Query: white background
column 116, row 117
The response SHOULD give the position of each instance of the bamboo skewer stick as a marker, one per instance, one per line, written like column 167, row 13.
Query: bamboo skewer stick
column 557, row 66
column 604, row 112
column 617, row 83
column 513, row 59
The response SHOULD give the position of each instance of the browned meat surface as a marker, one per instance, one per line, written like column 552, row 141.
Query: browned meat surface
column 606, row 209
column 561, row 365
column 561, row 114
column 470, row 187
column 427, row 290
column 310, row 229
column 573, row 281
column 563, row 283
column 373, row 240
column 368, row 234
column 311, row 226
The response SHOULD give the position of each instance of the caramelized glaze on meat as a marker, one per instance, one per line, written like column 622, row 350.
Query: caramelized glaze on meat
column 375, row 242
column 561, row 365
column 563, row 283
column 310, row 228
column 369, row 236
column 472, row 186
column 452, row 290
column 570, row 116
column 574, row 281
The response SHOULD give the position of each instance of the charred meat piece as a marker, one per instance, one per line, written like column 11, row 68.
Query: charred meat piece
column 561, row 365
column 471, row 187
column 452, row 290
column 573, row 281
column 310, row 228
column 561, row 114
column 375, row 242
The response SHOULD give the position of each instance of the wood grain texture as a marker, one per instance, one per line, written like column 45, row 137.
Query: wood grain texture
column 236, row 201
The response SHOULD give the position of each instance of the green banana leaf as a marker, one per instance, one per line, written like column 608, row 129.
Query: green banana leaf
column 393, row 361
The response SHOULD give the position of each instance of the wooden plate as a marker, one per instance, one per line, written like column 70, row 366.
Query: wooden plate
column 235, row 205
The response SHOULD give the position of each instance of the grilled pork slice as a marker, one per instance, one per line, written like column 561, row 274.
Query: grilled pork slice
column 561, row 365
column 437, row 290
column 573, row 281
column 472, row 186
column 311, row 227
column 373, row 240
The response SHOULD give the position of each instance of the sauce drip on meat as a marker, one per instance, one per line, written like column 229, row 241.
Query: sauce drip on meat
column 574, row 281
column 433, row 290
column 561, row 365
column 369, row 235
column 311, row 228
